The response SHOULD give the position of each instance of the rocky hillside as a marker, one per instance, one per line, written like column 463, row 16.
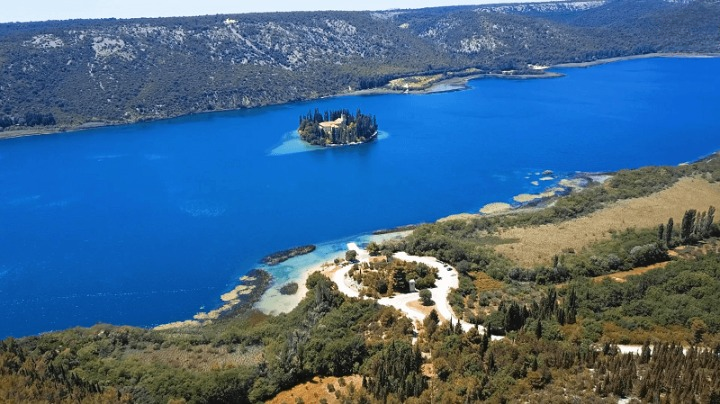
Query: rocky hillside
column 128, row 70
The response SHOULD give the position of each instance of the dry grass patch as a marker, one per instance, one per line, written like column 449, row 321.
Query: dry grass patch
column 428, row 370
column 485, row 283
column 200, row 358
column 538, row 244
column 317, row 389
column 615, row 334
column 414, row 82
column 622, row 276
column 416, row 305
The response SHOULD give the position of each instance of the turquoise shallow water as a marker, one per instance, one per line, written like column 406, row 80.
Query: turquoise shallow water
column 145, row 224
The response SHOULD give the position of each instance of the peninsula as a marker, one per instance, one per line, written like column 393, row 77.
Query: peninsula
column 282, row 256
column 335, row 128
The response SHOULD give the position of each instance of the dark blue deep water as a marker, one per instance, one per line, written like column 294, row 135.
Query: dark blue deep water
column 145, row 224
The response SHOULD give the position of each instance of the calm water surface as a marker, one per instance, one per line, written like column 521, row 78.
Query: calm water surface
column 145, row 224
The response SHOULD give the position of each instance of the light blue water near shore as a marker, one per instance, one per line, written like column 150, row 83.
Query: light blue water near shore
column 144, row 224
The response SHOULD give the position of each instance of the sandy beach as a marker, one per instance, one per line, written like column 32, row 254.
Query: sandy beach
column 274, row 302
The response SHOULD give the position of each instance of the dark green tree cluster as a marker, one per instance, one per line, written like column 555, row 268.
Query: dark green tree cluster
column 395, row 370
column 513, row 316
column 697, row 226
column 684, row 293
column 616, row 376
column 470, row 369
column 29, row 119
column 356, row 128
column 660, row 373
column 624, row 250
column 24, row 378
column 686, row 375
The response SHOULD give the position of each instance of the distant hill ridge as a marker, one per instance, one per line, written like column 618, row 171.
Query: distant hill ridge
column 118, row 71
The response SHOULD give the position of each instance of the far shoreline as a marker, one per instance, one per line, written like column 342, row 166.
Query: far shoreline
column 659, row 55
column 451, row 84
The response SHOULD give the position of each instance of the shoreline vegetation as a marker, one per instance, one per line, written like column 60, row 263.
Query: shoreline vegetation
column 416, row 84
column 243, row 297
column 398, row 229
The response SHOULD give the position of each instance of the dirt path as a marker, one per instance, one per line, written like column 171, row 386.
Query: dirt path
column 622, row 276
column 447, row 280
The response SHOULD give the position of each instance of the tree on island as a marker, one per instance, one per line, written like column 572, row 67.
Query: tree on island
column 337, row 127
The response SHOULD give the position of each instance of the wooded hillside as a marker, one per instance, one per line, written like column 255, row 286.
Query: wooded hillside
column 73, row 72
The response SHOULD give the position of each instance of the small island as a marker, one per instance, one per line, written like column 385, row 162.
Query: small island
column 289, row 288
column 337, row 128
column 282, row 256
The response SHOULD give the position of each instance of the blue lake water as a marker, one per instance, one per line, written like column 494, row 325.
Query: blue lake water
column 147, row 223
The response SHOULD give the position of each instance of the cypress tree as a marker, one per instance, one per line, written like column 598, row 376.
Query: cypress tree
column 486, row 342
column 514, row 319
column 710, row 219
column 645, row 353
column 538, row 329
column 571, row 316
column 668, row 232
column 688, row 225
column 699, row 225
column 431, row 323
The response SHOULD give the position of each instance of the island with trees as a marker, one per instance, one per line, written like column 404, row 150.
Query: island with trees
column 284, row 255
column 335, row 128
